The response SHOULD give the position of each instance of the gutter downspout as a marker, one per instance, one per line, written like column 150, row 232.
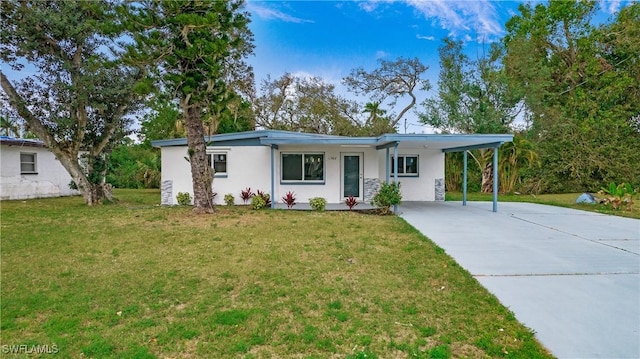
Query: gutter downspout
column 388, row 166
column 273, row 172
column 395, row 172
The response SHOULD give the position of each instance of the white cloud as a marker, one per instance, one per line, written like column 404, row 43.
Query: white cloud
column 462, row 17
column 422, row 37
column 612, row 6
column 368, row 6
column 301, row 74
column 372, row 5
column 381, row 54
column 273, row 14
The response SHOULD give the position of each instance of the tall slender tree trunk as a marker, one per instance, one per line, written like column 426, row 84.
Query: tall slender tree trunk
column 487, row 177
column 201, row 172
column 484, row 160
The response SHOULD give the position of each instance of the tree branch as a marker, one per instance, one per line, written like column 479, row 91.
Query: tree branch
column 407, row 108
column 17, row 102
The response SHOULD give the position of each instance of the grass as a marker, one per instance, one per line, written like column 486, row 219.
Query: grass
column 563, row 200
column 136, row 280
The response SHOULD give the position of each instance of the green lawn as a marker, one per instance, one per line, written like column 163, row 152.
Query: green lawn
column 563, row 200
column 136, row 280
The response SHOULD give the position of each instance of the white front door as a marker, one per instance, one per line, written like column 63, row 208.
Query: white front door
column 352, row 175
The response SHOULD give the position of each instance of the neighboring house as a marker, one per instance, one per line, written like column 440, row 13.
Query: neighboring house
column 29, row 170
column 313, row 165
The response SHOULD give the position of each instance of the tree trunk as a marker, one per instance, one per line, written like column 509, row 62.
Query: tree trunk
column 92, row 193
column 201, row 172
column 487, row 177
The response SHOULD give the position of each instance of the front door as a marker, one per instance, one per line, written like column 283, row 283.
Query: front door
column 352, row 175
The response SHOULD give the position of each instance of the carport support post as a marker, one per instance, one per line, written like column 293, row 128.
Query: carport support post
column 395, row 172
column 464, row 178
column 495, row 178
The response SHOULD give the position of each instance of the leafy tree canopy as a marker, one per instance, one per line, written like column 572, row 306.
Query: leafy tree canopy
column 581, row 87
column 79, row 96
column 194, row 51
column 391, row 81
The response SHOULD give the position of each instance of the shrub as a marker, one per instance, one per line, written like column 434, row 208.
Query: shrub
column 229, row 200
column 318, row 203
column 618, row 196
column 351, row 202
column 184, row 198
column 265, row 196
column 388, row 195
column 257, row 202
column 246, row 194
column 289, row 199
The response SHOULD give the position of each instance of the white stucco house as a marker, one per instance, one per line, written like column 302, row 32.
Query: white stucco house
column 314, row 165
column 29, row 170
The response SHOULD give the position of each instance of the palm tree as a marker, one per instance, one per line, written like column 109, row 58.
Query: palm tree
column 513, row 157
column 378, row 121
column 9, row 126
column 484, row 160
column 374, row 110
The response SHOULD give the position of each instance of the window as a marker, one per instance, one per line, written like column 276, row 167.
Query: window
column 219, row 163
column 407, row 165
column 306, row 167
column 28, row 163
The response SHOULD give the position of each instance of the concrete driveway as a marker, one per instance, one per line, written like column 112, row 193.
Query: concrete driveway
column 571, row 276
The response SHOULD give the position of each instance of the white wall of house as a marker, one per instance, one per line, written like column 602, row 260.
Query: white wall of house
column 49, row 180
column 331, row 190
column 247, row 166
column 430, row 168
column 250, row 166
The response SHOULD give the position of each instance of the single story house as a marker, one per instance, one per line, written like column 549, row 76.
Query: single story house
column 29, row 170
column 315, row 165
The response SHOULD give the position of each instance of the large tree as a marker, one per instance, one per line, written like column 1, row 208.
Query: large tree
column 305, row 104
column 77, row 97
column 472, row 98
column 581, row 87
column 194, row 50
column 391, row 81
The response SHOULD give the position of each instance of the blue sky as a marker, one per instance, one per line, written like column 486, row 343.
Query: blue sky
column 329, row 38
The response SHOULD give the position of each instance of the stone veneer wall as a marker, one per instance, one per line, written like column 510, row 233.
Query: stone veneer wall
column 166, row 192
column 371, row 187
column 439, row 188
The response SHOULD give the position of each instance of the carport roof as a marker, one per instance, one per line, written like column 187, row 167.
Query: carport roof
column 446, row 143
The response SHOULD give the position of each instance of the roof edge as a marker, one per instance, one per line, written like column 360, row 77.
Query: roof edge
column 270, row 137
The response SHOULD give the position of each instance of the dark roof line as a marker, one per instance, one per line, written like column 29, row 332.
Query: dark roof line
column 26, row 142
column 275, row 137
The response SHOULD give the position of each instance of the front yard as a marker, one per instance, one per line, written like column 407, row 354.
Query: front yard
column 136, row 280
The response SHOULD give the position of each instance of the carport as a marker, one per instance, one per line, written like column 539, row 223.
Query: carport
column 447, row 144
column 571, row 276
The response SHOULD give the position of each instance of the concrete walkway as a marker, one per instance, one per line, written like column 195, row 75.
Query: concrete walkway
column 571, row 276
